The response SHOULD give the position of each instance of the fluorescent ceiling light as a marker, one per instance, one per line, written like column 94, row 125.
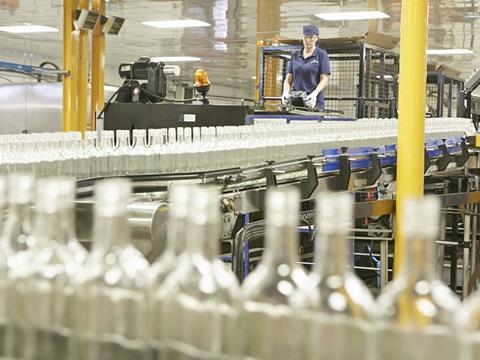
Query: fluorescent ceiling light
column 449, row 52
column 174, row 58
column 172, row 24
column 27, row 29
column 352, row 15
column 472, row 16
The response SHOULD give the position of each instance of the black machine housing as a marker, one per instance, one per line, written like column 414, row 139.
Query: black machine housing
column 153, row 91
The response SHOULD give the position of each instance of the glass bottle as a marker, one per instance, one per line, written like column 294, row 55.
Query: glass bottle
column 110, row 296
column 18, row 224
column 41, row 292
column 3, row 201
column 166, row 263
column 417, row 304
column 344, row 307
column 468, row 323
column 3, row 265
column 16, row 238
column 278, row 293
column 200, row 293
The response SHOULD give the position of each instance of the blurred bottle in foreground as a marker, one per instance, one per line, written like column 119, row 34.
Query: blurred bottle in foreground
column 110, row 297
column 198, row 297
column 176, row 237
column 278, row 293
column 341, row 329
column 4, row 252
column 417, row 305
column 16, row 238
column 44, row 288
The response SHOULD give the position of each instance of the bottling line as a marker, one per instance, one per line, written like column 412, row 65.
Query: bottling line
column 245, row 161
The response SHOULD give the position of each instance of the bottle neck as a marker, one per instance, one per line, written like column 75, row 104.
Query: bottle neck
column 281, row 245
column 203, row 240
column 110, row 232
column 331, row 255
column 53, row 228
column 420, row 260
column 176, row 235
column 18, row 226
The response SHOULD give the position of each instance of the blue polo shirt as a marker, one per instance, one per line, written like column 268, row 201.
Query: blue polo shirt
column 306, row 72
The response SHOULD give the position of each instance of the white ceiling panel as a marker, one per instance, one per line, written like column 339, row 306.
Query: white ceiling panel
column 228, row 47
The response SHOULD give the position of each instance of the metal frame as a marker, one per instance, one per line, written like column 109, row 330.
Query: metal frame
column 440, row 81
column 365, row 54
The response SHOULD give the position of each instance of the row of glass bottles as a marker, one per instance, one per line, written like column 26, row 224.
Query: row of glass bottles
column 58, row 302
column 197, row 149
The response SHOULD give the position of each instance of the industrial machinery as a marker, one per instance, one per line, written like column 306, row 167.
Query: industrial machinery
column 471, row 99
column 154, row 90
column 244, row 161
column 359, row 157
column 145, row 105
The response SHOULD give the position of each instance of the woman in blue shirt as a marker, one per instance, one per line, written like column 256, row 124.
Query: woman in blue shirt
column 308, row 70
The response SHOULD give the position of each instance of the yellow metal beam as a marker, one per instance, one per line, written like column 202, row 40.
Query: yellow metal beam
column 82, row 73
column 68, row 8
column 74, row 84
column 411, row 124
column 98, row 67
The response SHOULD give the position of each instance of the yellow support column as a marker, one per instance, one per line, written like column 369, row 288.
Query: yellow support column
column 411, row 122
column 68, row 7
column 82, row 73
column 98, row 67
column 74, row 85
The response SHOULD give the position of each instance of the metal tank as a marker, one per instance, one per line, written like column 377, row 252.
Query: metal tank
column 148, row 222
column 33, row 107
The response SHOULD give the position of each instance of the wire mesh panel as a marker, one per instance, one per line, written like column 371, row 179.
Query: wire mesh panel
column 363, row 82
column 443, row 94
column 380, row 83
column 431, row 100
column 273, row 74
column 342, row 90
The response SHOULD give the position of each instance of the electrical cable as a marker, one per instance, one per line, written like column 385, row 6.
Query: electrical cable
column 49, row 63
column 5, row 78
column 310, row 230
column 149, row 93
column 111, row 99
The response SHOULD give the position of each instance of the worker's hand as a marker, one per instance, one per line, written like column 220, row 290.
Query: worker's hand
column 285, row 97
column 312, row 100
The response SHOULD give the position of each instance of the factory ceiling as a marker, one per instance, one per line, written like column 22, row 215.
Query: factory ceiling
column 227, row 48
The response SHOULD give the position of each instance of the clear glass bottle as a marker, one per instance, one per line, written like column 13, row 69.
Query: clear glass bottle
column 199, row 296
column 167, row 262
column 3, row 266
column 345, row 303
column 416, row 304
column 3, row 201
column 41, row 292
column 110, row 297
column 276, row 296
column 16, row 238
column 18, row 224
column 468, row 324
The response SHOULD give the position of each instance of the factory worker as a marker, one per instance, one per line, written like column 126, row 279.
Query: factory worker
column 308, row 70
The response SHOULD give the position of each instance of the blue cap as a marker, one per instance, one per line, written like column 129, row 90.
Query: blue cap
column 310, row 30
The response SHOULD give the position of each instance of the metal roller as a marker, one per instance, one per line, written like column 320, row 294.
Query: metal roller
column 148, row 222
